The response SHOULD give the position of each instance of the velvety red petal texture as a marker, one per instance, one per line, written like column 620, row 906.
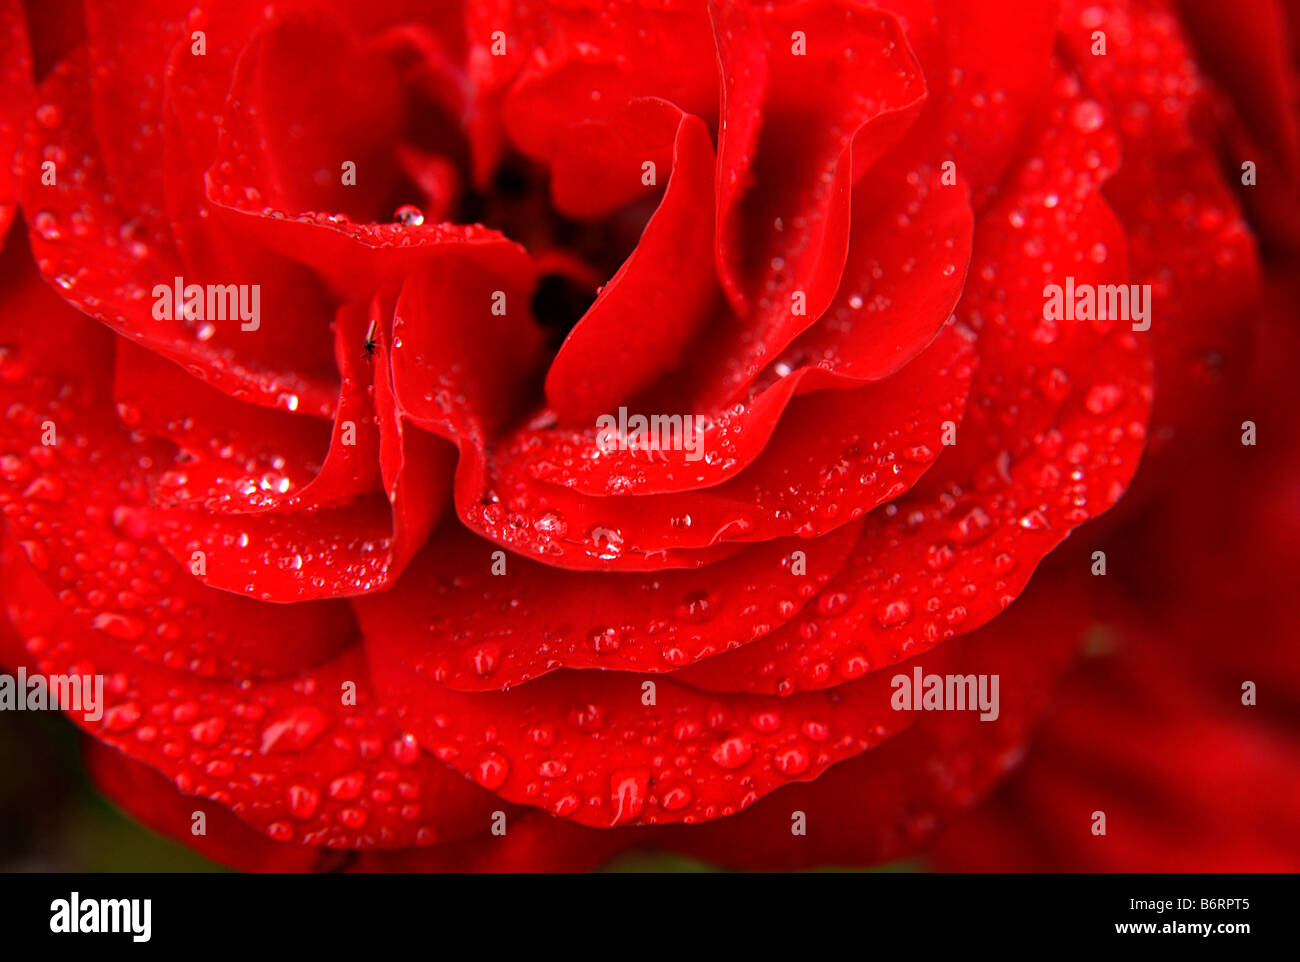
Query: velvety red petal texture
column 605, row 750
column 532, row 842
column 668, row 280
column 220, row 836
column 881, row 805
column 106, row 261
column 507, row 633
column 311, row 759
column 80, row 510
column 494, row 435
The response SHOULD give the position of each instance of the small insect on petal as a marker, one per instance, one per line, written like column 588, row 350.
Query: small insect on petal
column 369, row 345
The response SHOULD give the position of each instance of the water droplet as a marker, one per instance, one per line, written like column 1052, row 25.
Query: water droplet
column 303, row 801
column 492, row 771
column 48, row 116
column 696, row 606
column 603, row 640
column 607, row 542
column 1087, row 116
column 627, row 794
column 676, row 798
column 791, row 761
column 486, row 658
column 294, row 731
column 208, row 732
column 121, row 626
column 895, row 613
column 347, row 787
column 552, row 523
column 47, row 225
column 1104, row 398
column 733, row 752
column 409, row 216
column 832, row 603
column 406, row 750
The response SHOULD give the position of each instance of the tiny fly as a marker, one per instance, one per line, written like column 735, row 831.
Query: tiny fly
column 369, row 345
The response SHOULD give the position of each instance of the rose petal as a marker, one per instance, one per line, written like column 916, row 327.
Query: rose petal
column 586, row 746
column 833, row 456
column 311, row 547
column 310, row 759
column 153, row 799
column 475, row 627
column 788, row 235
column 80, row 509
column 650, row 311
column 106, row 261
column 1055, row 427
column 881, row 805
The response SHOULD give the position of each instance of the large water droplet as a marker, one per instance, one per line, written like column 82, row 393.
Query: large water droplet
column 409, row 216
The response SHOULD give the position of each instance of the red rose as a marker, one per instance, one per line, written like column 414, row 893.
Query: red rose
column 329, row 331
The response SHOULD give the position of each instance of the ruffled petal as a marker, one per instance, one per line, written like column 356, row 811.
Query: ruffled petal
column 604, row 750
column 154, row 800
column 1056, row 424
column 644, row 319
column 476, row 622
column 310, row 759
column 80, row 509
column 110, row 263
column 783, row 214
column 882, row 805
